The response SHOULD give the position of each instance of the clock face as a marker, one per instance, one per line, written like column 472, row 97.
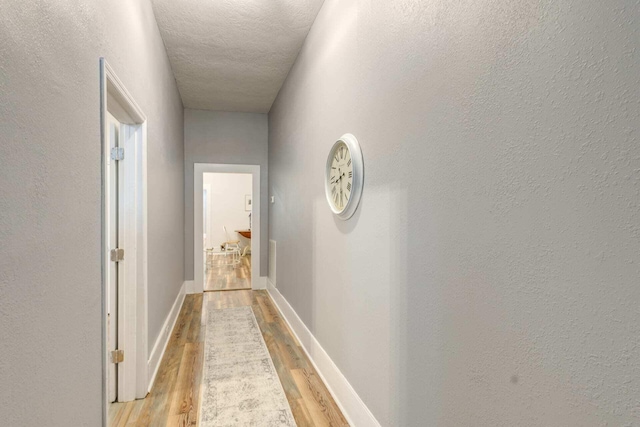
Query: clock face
column 341, row 176
column 344, row 176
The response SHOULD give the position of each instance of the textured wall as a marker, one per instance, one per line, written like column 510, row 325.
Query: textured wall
column 50, row 368
column 490, row 275
column 222, row 137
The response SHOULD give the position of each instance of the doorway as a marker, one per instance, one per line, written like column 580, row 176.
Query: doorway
column 228, row 246
column 124, row 243
column 227, row 211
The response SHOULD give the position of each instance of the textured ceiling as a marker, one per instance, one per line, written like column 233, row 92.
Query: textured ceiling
column 233, row 55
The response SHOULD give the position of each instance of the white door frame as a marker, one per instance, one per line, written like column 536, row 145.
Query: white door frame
column 199, row 169
column 132, row 298
column 204, row 209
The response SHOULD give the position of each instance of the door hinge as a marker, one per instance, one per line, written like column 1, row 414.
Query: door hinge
column 117, row 153
column 117, row 255
column 116, row 356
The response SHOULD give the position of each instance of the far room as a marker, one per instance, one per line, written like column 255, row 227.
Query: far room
column 227, row 205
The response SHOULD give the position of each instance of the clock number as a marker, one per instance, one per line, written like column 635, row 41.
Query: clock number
column 350, row 174
column 349, row 162
column 348, row 186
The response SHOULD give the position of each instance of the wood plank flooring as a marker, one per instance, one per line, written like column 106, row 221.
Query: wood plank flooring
column 174, row 398
column 223, row 277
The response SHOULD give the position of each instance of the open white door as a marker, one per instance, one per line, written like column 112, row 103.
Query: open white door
column 124, row 243
column 113, row 129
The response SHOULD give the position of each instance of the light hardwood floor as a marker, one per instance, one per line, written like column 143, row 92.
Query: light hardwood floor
column 173, row 400
column 224, row 277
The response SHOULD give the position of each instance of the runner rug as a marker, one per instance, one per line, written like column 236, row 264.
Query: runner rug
column 240, row 384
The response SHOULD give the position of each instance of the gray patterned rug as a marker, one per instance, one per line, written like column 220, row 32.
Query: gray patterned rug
column 240, row 384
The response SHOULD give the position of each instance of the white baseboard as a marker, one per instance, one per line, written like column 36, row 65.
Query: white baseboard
column 353, row 408
column 163, row 339
column 190, row 287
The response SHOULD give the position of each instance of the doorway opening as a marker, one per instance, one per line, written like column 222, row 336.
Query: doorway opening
column 226, row 218
column 227, row 210
column 124, row 243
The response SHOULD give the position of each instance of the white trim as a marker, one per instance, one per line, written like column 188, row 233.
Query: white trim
column 163, row 338
column 199, row 169
column 127, row 270
column 208, row 188
column 132, row 310
column 142, row 318
column 122, row 95
column 104, row 238
column 353, row 408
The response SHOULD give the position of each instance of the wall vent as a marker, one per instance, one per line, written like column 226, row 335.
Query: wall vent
column 272, row 262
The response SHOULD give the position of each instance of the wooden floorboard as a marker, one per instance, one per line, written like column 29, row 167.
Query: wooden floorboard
column 175, row 397
column 186, row 395
column 222, row 276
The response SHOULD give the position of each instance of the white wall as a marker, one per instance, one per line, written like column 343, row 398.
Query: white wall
column 50, row 278
column 226, row 205
column 490, row 275
column 226, row 138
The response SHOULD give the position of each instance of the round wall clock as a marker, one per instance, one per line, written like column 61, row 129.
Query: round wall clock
column 344, row 176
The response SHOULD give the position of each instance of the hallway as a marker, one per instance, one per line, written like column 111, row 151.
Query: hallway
column 174, row 398
column 442, row 206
